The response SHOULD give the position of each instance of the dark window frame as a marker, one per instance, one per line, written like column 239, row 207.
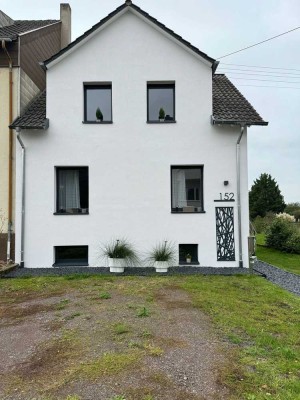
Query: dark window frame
column 178, row 210
column 163, row 85
column 79, row 212
column 76, row 262
column 96, row 85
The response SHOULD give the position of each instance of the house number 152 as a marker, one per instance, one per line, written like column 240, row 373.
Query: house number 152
column 226, row 196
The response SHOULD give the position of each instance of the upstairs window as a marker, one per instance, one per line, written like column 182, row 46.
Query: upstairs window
column 72, row 190
column 97, row 103
column 161, row 102
column 187, row 189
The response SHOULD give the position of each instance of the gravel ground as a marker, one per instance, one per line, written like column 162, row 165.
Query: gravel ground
column 186, row 270
column 286, row 280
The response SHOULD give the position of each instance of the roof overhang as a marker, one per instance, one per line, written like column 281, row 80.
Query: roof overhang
column 219, row 121
column 44, row 126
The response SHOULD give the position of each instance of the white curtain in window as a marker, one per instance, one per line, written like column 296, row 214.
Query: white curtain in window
column 69, row 193
column 179, row 188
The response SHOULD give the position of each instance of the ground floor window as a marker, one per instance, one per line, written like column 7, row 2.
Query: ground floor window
column 187, row 189
column 72, row 190
column 70, row 255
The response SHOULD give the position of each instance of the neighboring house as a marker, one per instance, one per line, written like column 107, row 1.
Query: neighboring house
column 128, row 170
column 23, row 45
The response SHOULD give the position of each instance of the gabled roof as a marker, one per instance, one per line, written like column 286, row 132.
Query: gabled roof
column 230, row 106
column 128, row 4
column 12, row 31
column 34, row 116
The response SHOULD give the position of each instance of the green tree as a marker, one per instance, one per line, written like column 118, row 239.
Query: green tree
column 265, row 196
column 293, row 209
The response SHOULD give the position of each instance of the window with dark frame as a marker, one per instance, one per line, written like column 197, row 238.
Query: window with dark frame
column 72, row 190
column 97, row 103
column 71, row 255
column 187, row 189
column 188, row 254
column 161, row 102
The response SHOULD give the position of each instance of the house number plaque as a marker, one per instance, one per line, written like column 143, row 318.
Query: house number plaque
column 226, row 197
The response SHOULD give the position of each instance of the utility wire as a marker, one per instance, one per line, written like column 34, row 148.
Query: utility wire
column 256, row 44
column 270, row 76
column 263, row 80
column 269, row 86
column 257, row 72
column 260, row 66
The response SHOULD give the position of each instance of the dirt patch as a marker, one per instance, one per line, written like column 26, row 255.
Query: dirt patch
column 142, row 338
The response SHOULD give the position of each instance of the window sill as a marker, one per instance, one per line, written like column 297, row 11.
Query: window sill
column 78, row 264
column 191, row 263
column 69, row 213
column 161, row 122
column 96, row 123
column 188, row 212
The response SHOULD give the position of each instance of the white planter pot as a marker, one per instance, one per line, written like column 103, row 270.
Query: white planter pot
column 116, row 265
column 161, row 266
column 188, row 260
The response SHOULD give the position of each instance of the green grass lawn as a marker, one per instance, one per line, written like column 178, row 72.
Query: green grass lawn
column 287, row 261
column 260, row 321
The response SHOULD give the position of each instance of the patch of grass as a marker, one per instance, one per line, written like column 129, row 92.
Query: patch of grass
column 62, row 304
column 263, row 321
column 120, row 329
column 153, row 350
column 287, row 261
column 110, row 364
column 146, row 334
column 260, row 239
column 119, row 397
column 143, row 312
column 105, row 295
column 72, row 316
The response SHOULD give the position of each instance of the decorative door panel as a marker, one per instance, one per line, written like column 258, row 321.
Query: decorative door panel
column 225, row 234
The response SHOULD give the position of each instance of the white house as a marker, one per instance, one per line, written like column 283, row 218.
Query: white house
column 177, row 174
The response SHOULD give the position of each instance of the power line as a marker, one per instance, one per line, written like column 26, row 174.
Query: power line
column 257, row 72
column 256, row 44
column 271, row 76
column 263, row 80
column 260, row 66
column 269, row 86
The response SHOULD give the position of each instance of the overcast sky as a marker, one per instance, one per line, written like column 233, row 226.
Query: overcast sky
column 219, row 27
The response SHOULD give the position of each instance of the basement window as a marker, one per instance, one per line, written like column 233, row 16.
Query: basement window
column 70, row 256
column 186, row 250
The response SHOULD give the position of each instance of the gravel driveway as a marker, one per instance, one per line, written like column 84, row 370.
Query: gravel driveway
column 106, row 337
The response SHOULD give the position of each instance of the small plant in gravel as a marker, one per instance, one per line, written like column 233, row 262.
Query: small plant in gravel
column 120, row 328
column 62, row 304
column 143, row 312
column 118, row 398
column 105, row 295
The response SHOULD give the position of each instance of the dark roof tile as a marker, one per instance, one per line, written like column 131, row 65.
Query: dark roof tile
column 34, row 116
column 18, row 27
column 230, row 106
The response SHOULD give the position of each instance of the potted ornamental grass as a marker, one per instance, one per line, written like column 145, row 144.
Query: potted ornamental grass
column 99, row 115
column 188, row 258
column 120, row 253
column 162, row 256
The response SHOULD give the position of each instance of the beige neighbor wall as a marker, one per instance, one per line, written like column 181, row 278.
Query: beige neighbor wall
column 24, row 90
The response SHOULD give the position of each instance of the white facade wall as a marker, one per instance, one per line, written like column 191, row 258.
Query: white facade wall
column 129, row 161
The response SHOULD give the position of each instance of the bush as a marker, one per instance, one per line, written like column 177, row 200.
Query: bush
column 293, row 243
column 286, row 217
column 281, row 235
column 262, row 223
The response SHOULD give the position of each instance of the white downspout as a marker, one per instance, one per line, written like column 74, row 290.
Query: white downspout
column 238, row 173
column 18, row 130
